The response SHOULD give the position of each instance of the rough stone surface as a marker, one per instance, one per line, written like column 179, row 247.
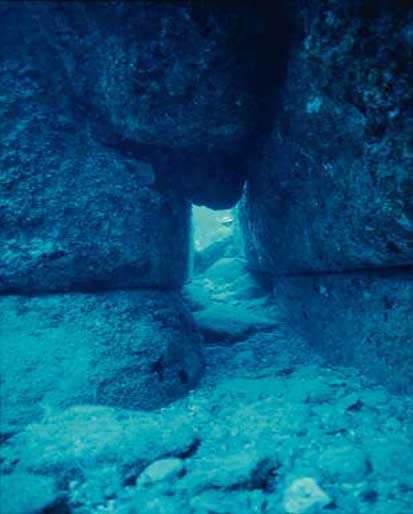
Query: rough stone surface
column 271, row 428
column 224, row 271
column 343, row 463
column 206, row 257
column 26, row 493
column 221, row 324
column 330, row 190
column 227, row 304
column 171, row 83
column 82, row 437
column 357, row 319
column 136, row 54
column 74, row 213
column 131, row 349
column 331, row 187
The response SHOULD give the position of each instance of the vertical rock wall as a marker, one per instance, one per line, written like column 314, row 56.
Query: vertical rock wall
column 330, row 190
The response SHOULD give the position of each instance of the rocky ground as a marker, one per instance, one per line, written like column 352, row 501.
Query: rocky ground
column 114, row 121
column 272, row 429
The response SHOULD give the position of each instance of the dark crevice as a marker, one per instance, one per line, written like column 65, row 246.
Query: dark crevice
column 5, row 436
column 264, row 278
column 183, row 376
column 273, row 49
column 190, row 451
column 404, row 271
column 61, row 506
column 158, row 368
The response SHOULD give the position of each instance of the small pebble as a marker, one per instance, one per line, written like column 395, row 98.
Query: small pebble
column 304, row 496
column 161, row 470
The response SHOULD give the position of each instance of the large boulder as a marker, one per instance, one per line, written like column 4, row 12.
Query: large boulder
column 174, row 83
column 74, row 212
column 329, row 202
column 165, row 74
column 331, row 188
column 131, row 349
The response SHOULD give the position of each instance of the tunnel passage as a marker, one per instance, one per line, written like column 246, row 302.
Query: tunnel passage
column 116, row 117
column 140, row 112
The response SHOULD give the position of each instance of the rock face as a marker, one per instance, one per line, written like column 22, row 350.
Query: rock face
column 363, row 319
column 173, row 83
column 330, row 193
column 74, row 213
column 84, row 222
column 138, row 67
column 333, row 186
column 129, row 349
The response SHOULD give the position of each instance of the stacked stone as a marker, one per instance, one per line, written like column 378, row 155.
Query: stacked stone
column 331, row 199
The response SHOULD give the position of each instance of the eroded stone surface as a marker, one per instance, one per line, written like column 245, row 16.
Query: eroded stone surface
column 331, row 188
column 271, row 428
column 243, row 441
column 131, row 349
column 356, row 319
column 173, row 84
column 75, row 213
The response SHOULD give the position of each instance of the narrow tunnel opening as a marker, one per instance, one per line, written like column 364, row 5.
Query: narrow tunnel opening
column 215, row 236
column 227, row 303
column 217, row 242
column 211, row 226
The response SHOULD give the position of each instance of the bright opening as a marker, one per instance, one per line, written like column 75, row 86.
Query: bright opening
column 215, row 236
column 211, row 226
